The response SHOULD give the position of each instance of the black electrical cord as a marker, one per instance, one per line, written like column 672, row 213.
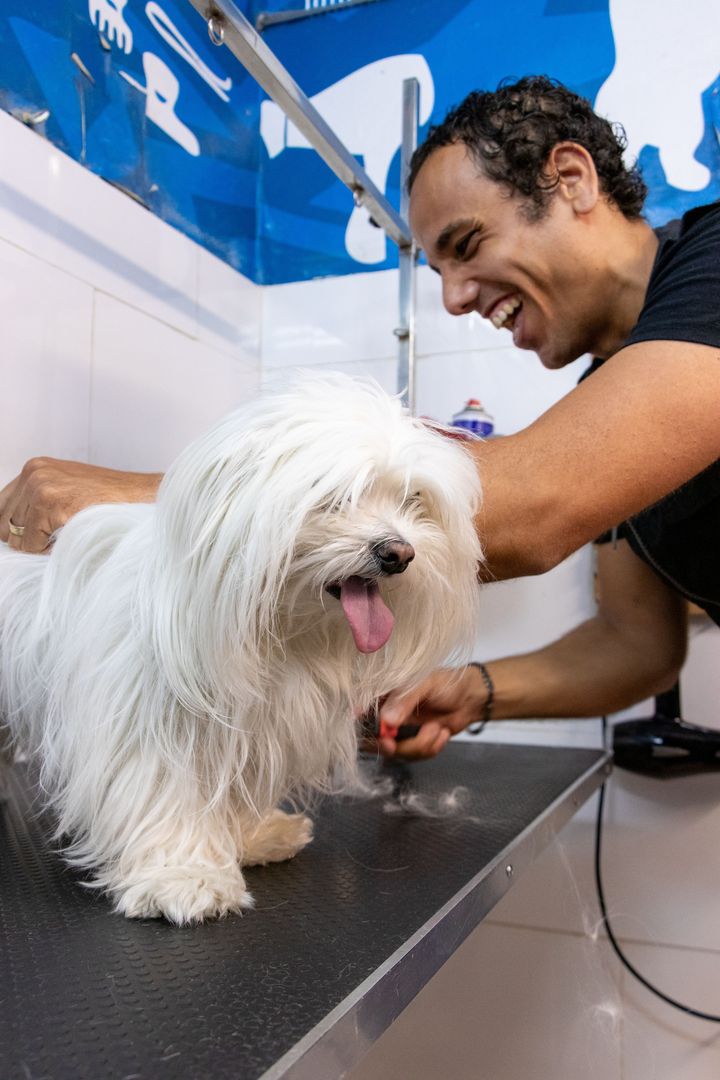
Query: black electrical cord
column 611, row 936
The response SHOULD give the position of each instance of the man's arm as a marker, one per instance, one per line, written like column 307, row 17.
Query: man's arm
column 638, row 428
column 48, row 492
column 633, row 648
column 604, row 452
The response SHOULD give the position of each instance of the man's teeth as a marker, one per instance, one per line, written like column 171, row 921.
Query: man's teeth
column 503, row 313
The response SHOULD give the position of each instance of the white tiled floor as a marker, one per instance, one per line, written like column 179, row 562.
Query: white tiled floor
column 509, row 1005
column 558, row 891
column 659, row 1042
column 662, row 874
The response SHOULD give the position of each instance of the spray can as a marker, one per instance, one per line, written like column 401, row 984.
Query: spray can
column 474, row 420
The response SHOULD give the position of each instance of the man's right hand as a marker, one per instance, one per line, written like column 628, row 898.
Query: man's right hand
column 48, row 492
column 443, row 704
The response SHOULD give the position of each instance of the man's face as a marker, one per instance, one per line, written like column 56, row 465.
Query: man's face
column 533, row 278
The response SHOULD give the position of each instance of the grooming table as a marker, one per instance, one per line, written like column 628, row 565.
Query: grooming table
column 341, row 940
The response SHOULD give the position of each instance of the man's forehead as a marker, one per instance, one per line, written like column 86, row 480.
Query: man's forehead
column 447, row 195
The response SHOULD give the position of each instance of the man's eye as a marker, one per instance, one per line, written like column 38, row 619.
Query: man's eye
column 462, row 246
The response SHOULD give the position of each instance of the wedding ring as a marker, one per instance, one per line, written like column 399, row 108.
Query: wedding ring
column 16, row 530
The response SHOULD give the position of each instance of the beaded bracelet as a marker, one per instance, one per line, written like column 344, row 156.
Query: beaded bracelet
column 475, row 729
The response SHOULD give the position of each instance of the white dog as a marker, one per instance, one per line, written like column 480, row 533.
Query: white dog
column 179, row 670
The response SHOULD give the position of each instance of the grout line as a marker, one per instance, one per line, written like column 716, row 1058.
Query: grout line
column 91, row 380
column 623, row 1033
column 581, row 935
column 97, row 289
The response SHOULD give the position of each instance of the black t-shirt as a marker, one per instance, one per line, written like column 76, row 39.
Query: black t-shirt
column 679, row 537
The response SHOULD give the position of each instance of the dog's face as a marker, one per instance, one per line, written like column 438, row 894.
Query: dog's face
column 362, row 558
column 329, row 525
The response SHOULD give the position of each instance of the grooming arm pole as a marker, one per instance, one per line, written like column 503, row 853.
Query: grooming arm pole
column 228, row 26
column 405, row 330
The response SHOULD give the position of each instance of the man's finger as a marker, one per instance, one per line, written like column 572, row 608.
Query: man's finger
column 6, row 505
column 13, row 525
column 396, row 711
column 421, row 745
column 441, row 742
column 35, row 536
column 35, row 540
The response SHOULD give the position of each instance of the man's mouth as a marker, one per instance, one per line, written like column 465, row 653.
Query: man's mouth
column 370, row 620
column 503, row 313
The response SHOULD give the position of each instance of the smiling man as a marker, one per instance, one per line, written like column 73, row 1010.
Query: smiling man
column 534, row 269
column 523, row 205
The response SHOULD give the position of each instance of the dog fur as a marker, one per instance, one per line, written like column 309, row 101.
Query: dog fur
column 178, row 671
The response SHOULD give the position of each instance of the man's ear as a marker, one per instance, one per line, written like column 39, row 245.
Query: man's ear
column 572, row 170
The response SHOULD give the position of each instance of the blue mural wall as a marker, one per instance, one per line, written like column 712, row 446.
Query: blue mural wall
column 135, row 91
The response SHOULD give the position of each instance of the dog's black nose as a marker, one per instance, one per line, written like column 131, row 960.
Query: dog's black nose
column 394, row 556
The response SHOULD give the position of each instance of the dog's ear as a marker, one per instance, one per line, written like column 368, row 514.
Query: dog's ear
column 228, row 515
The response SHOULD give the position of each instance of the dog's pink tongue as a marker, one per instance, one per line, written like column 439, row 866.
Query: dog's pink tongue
column 370, row 620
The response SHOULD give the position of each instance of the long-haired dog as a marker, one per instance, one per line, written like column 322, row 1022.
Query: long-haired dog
column 179, row 670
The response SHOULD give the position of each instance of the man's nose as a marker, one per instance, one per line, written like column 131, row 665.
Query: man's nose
column 459, row 295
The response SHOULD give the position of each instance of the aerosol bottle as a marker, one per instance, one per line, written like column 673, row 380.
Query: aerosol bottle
column 474, row 419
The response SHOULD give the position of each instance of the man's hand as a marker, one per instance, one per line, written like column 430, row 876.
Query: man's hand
column 48, row 492
column 444, row 704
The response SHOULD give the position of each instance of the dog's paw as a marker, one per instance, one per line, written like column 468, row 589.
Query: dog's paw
column 277, row 838
column 184, row 895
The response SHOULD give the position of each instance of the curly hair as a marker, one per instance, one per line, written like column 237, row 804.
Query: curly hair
column 510, row 132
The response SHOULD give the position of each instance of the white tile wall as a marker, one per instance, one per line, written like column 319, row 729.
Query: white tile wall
column 66, row 216
column 700, row 679
column 445, row 380
column 383, row 371
column 122, row 339
column 331, row 321
column 228, row 308
column 339, row 321
column 46, row 319
column 154, row 389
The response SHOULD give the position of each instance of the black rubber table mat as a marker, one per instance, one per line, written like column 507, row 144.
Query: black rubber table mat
column 85, row 993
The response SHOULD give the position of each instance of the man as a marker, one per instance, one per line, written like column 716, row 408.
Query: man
column 522, row 204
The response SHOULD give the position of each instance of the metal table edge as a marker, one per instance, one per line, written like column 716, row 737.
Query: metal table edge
column 344, row 1036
